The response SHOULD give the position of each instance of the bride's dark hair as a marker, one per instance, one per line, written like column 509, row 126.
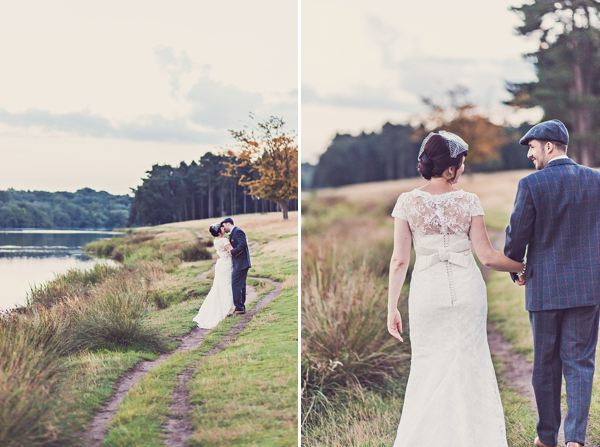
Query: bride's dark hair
column 436, row 158
column 214, row 230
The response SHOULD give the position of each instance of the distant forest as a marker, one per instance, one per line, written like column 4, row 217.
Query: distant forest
column 85, row 208
column 194, row 191
column 167, row 194
column 392, row 154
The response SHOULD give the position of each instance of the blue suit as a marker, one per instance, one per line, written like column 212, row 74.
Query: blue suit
column 240, row 256
column 556, row 219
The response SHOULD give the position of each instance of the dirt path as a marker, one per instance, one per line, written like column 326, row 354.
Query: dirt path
column 97, row 429
column 517, row 370
column 178, row 426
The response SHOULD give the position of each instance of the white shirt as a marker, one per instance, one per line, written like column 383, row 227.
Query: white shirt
column 558, row 158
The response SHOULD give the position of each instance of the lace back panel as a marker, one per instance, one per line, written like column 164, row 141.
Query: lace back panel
column 448, row 213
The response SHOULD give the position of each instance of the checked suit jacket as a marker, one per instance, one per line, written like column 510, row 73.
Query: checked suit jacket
column 556, row 220
column 240, row 254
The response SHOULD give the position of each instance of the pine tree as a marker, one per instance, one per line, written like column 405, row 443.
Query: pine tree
column 568, row 68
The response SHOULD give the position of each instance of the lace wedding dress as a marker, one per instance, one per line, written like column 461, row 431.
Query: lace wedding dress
column 452, row 397
column 219, row 300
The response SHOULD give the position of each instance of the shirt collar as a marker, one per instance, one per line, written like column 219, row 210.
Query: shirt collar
column 559, row 158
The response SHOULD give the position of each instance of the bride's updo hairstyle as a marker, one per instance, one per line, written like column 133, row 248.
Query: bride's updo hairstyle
column 435, row 158
column 215, row 229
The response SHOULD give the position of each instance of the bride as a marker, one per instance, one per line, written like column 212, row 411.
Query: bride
column 452, row 396
column 218, row 302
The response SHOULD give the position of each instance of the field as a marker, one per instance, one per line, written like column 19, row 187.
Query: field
column 111, row 357
column 353, row 387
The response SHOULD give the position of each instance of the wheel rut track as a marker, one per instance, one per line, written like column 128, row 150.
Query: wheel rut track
column 178, row 427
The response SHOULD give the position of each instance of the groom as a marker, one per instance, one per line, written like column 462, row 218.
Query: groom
column 238, row 249
column 556, row 218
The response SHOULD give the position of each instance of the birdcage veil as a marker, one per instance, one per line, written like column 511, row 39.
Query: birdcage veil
column 455, row 143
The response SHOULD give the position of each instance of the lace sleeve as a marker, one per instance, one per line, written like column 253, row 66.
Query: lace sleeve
column 476, row 208
column 400, row 208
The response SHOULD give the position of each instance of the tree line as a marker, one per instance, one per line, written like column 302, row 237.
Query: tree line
column 84, row 208
column 198, row 190
column 567, row 64
column 258, row 174
column 392, row 153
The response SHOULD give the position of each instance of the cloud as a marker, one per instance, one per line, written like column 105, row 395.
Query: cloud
column 86, row 124
column 221, row 106
column 174, row 65
column 215, row 107
column 364, row 97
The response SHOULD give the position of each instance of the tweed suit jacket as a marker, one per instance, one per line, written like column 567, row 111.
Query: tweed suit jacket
column 240, row 254
column 556, row 219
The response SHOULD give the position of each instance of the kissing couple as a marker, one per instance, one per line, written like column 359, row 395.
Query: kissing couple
column 452, row 397
column 231, row 270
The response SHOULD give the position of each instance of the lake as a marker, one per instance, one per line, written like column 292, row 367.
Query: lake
column 32, row 257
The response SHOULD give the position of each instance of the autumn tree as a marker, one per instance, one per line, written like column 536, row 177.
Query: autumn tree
column 457, row 114
column 266, row 161
column 567, row 64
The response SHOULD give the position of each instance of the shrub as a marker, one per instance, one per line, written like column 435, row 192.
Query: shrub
column 194, row 252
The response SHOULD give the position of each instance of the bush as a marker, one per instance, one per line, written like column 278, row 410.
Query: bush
column 194, row 252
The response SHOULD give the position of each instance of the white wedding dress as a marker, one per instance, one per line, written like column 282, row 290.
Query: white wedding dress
column 219, row 300
column 452, row 396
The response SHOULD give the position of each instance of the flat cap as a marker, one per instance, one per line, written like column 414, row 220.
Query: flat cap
column 227, row 219
column 553, row 130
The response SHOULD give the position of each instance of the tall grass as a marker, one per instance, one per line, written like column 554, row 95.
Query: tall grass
column 75, row 283
column 345, row 343
column 110, row 310
column 29, row 374
column 116, row 316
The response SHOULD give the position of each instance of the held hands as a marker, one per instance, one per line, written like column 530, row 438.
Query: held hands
column 521, row 276
column 394, row 324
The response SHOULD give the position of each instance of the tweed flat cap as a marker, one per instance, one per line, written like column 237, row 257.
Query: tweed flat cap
column 227, row 219
column 553, row 130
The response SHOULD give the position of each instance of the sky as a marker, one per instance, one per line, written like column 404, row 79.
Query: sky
column 92, row 94
column 365, row 63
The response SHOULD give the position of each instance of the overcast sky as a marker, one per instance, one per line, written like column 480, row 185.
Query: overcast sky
column 92, row 94
column 368, row 62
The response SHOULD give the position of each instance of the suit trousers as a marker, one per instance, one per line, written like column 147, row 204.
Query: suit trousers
column 564, row 341
column 238, row 284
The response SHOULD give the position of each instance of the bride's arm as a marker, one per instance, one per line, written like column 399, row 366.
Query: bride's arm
column 488, row 255
column 398, row 268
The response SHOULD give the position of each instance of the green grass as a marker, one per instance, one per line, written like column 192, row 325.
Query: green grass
column 365, row 419
column 519, row 416
column 141, row 417
column 496, row 220
column 247, row 394
column 506, row 308
column 50, row 389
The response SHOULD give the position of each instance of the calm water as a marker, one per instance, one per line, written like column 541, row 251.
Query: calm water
column 31, row 257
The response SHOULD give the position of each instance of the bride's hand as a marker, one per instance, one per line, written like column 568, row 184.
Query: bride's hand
column 394, row 324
